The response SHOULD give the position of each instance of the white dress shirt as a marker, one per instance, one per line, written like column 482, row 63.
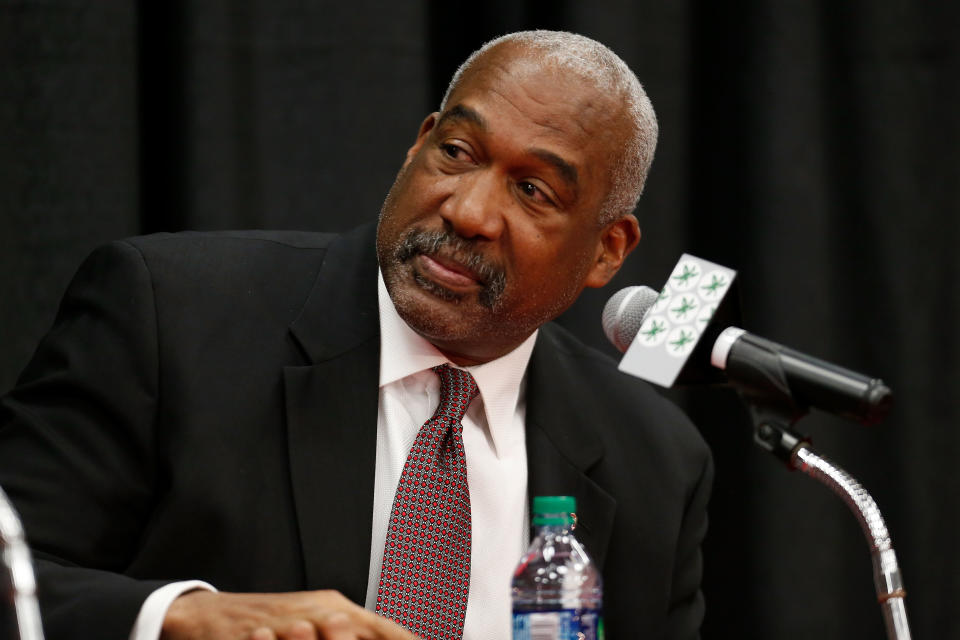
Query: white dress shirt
column 493, row 438
column 494, row 441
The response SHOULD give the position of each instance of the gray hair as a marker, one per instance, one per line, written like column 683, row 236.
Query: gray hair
column 611, row 75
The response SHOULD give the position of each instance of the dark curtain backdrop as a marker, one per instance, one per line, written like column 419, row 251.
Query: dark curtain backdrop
column 813, row 146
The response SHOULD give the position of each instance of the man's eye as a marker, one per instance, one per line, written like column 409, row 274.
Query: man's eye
column 533, row 192
column 454, row 152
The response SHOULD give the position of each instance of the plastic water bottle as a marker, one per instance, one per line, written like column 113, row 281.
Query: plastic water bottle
column 557, row 589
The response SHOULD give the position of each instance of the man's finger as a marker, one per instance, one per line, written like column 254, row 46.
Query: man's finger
column 263, row 633
column 298, row 630
column 338, row 626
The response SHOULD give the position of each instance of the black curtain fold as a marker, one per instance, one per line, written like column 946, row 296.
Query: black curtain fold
column 812, row 146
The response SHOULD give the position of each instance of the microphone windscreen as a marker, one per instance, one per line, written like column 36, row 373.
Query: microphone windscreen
column 624, row 312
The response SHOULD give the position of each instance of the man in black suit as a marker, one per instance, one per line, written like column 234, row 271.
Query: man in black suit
column 205, row 405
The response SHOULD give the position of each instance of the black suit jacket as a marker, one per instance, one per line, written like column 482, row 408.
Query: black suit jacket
column 205, row 407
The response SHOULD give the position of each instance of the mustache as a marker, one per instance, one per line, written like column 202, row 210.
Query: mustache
column 491, row 275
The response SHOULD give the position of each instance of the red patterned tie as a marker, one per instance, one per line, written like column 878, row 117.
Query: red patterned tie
column 426, row 560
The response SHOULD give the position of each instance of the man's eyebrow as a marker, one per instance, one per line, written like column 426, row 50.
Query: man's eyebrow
column 566, row 170
column 461, row 112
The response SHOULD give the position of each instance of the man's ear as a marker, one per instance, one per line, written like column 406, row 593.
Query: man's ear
column 425, row 128
column 616, row 241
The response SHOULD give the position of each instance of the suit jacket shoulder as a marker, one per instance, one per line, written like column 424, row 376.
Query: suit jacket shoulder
column 155, row 418
column 275, row 269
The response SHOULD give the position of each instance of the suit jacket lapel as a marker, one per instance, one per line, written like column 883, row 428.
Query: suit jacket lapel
column 561, row 443
column 331, row 408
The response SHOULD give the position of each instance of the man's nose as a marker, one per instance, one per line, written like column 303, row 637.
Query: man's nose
column 475, row 207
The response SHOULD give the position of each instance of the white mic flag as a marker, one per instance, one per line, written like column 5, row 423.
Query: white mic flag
column 673, row 326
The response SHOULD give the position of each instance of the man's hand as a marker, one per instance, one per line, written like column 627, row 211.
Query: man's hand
column 305, row 615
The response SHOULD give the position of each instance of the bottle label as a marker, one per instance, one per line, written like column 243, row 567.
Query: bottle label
column 564, row 624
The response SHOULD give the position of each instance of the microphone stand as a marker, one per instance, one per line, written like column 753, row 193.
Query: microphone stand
column 18, row 566
column 773, row 413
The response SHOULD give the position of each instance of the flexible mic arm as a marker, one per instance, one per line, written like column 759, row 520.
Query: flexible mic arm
column 779, row 385
column 17, row 564
column 773, row 432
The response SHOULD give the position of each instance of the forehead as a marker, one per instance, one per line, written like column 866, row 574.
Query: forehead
column 545, row 106
column 512, row 82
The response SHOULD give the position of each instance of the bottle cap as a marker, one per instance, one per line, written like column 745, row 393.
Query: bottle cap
column 554, row 504
column 553, row 510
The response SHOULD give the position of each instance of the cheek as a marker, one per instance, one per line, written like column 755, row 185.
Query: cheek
column 554, row 267
column 423, row 193
column 558, row 248
column 405, row 202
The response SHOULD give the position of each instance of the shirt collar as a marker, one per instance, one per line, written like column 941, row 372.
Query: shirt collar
column 404, row 352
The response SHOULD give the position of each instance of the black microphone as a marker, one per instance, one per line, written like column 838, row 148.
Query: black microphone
column 759, row 367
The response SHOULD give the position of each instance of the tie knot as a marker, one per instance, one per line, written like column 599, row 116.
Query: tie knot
column 457, row 390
